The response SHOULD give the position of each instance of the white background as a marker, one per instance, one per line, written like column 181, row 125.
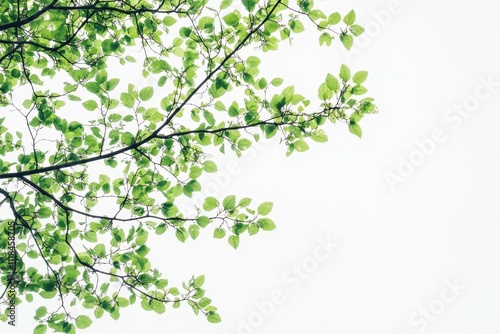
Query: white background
column 397, row 246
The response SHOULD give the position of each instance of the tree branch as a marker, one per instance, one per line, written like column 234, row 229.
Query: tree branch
column 157, row 131
column 33, row 17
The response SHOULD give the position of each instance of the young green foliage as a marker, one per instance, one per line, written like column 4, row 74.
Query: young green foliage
column 94, row 165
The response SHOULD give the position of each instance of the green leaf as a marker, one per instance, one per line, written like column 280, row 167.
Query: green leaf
column 231, row 19
column 162, row 283
column 347, row 40
column 248, row 78
column 45, row 183
column 239, row 228
column 41, row 311
column 158, row 306
column 276, row 82
column 253, row 229
column 253, row 61
column 98, row 312
column 162, row 81
column 142, row 237
column 90, row 105
column 360, row 77
column 297, row 26
column 127, row 99
column 288, row 94
column 199, row 281
column 45, row 212
column 345, row 73
column 206, row 23
column 126, row 138
column 332, row 83
column 234, row 241
column 203, row 221
column 356, row 30
column 194, row 231
column 115, row 117
column 325, row 38
column 233, row 110
column 93, row 87
column 350, row 18
column 229, row 202
column 122, row 301
column 209, row 166
column 40, row 329
column 82, row 321
column 219, row 233
column 213, row 317
column 111, row 84
column 85, row 258
column 334, row 18
column 324, row 93
column 204, row 302
column 47, row 294
column 210, row 203
column 300, row 145
column 219, row 106
column 169, row 21
column 355, row 129
column 359, row 90
column 266, row 224
column 244, row 143
column 249, row 4
column 319, row 136
column 225, row 4
column 115, row 313
column 90, row 140
column 27, row 104
column 271, row 26
column 209, row 117
column 146, row 93
column 160, row 229
column 245, row 201
column 265, row 208
column 15, row 73
column 185, row 32
column 101, row 76
column 143, row 250
column 262, row 83
column 195, row 172
column 181, row 234
column 145, row 304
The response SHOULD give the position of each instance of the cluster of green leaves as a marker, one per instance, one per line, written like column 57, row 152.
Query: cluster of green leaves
column 326, row 24
column 236, row 220
column 90, row 168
